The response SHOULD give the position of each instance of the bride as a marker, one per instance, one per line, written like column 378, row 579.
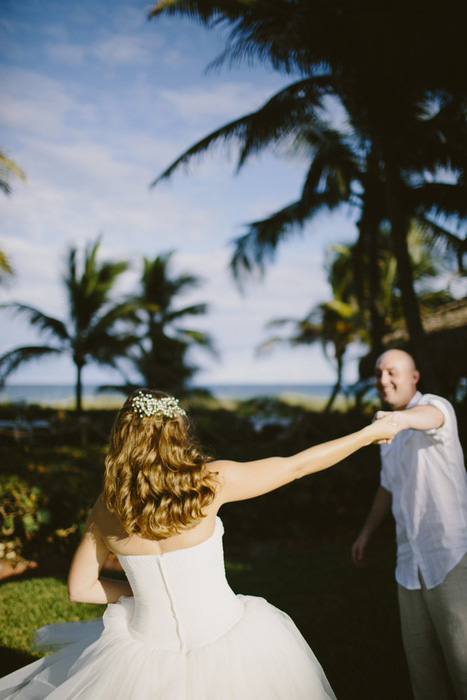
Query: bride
column 175, row 630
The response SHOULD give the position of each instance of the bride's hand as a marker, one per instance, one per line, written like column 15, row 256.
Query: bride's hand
column 385, row 426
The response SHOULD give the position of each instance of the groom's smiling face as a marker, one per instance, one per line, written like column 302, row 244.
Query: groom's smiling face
column 396, row 378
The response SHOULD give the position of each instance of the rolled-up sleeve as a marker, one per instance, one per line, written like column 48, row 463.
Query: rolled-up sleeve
column 444, row 432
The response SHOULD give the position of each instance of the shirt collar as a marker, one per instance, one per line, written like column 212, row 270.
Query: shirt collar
column 415, row 400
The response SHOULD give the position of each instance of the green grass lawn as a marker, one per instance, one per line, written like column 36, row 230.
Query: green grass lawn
column 348, row 616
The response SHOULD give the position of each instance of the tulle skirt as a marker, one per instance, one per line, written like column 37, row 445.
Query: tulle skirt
column 262, row 657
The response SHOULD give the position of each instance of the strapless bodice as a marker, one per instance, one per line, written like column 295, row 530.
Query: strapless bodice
column 182, row 599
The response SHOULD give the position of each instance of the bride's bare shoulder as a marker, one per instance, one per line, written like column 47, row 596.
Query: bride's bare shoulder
column 99, row 509
column 107, row 523
column 221, row 469
column 220, row 466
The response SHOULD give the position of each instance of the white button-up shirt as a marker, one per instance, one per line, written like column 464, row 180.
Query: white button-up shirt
column 424, row 471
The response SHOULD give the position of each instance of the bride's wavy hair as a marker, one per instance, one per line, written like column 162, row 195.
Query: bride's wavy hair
column 156, row 480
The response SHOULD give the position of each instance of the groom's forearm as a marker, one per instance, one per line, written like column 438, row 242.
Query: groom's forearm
column 421, row 418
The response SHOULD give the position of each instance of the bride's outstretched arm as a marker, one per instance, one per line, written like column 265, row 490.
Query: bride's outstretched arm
column 85, row 585
column 249, row 479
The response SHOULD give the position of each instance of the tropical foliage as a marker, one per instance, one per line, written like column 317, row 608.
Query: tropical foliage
column 8, row 169
column 90, row 333
column 5, row 268
column 346, row 318
column 159, row 353
column 399, row 153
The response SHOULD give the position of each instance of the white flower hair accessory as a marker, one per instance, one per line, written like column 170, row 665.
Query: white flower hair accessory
column 147, row 405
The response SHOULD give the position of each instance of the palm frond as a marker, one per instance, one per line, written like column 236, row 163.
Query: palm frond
column 453, row 243
column 42, row 321
column 125, row 312
column 288, row 114
column 440, row 139
column 341, row 308
column 204, row 11
column 187, row 281
column 90, row 257
column 204, row 340
column 108, row 348
column 5, row 266
column 282, row 117
column 440, row 198
column 12, row 359
column 289, row 36
column 9, row 168
column 258, row 30
column 233, row 131
column 159, row 286
column 257, row 247
column 304, row 333
column 334, row 166
column 88, row 291
column 141, row 304
column 280, row 322
column 193, row 310
column 271, row 344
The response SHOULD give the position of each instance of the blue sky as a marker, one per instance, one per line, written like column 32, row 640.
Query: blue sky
column 96, row 102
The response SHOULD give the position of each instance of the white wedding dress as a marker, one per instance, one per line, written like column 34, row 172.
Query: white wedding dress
column 183, row 636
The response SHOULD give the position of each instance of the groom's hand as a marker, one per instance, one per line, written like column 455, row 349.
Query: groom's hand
column 382, row 414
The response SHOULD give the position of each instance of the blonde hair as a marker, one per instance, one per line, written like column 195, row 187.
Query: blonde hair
column 156, row 480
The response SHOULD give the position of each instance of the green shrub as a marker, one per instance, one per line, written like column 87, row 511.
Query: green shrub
column 24, row 510
column 46, row 493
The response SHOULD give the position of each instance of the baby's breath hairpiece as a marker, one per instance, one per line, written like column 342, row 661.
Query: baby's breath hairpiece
column 147, row 405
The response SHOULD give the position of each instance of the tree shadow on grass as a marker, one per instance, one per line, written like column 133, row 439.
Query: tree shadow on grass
column 11, row 660
column 348, row 616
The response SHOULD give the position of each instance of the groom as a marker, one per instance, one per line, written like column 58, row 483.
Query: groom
column 424, row 481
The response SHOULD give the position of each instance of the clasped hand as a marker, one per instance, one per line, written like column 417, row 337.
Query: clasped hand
column 395, row 421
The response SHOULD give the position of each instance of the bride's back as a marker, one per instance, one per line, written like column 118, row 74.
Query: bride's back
column 181, row 598
column 121, row 542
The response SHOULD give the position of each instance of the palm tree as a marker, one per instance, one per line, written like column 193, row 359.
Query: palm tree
column 335, row 324
column 397, row 139
column 346, row 318
column 429, row 261
column 90, row 332
column 160, row 353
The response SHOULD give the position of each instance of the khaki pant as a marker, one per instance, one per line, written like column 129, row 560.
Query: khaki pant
column 434, row 632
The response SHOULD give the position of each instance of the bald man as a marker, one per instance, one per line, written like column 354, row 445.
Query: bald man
column 424, row 482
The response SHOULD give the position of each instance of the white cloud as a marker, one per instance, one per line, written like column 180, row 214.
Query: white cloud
column 66, row 53
column 37, row 269
column 57, row 31
column 125, row 49
column 225, row 100
column 116, row 51
column 38, row 105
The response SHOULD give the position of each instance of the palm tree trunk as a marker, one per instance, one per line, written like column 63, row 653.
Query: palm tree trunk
column 332, row 398
column 369, row 228
column 399, row 229
column 377, row 320
column 337, row 385
column 78, row 389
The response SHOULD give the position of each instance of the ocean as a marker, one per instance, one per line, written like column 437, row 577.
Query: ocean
column 50, row 394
